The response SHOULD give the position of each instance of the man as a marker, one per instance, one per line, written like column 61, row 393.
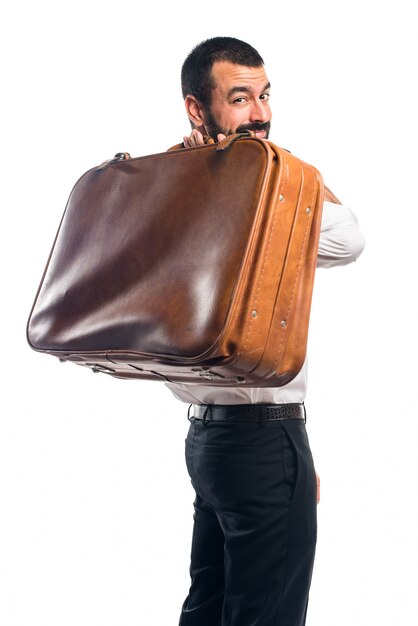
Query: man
column 247, row 451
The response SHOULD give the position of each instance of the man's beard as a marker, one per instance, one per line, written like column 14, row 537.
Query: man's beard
column 213, row 128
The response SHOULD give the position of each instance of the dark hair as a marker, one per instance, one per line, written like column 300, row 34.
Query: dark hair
column 196, row 73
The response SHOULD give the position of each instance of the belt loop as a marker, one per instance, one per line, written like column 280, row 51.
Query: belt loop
column 207, row 409
column 304, row 411
column 263, row 414
column 188, row 413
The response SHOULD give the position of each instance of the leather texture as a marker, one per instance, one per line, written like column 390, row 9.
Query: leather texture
column 192, row 265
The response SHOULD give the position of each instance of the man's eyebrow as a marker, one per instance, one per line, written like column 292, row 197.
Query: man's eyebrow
column 244, row 89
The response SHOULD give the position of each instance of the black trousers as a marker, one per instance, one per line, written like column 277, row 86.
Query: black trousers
column 254, row 530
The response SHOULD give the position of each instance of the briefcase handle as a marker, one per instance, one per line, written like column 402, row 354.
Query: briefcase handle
column 223, row 145
column 228, row 141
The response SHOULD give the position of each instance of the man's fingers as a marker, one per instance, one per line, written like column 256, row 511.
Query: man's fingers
column 194, row 139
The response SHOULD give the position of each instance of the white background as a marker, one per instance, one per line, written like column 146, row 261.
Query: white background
column 96, row 503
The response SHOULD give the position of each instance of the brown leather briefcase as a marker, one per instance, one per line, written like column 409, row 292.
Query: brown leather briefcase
column 191, row 265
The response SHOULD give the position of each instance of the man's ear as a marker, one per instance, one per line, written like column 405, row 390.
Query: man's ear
column 194, row 111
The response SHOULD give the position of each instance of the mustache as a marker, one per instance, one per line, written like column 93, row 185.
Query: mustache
column 254, row 126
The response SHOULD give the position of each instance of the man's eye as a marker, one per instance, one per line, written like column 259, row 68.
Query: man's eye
column 240, row 99
column 265, row 96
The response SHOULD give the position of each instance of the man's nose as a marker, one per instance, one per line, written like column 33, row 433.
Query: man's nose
column 260, row 111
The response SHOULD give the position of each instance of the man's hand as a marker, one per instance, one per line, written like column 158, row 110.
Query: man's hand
column 318, row 488
column 197, row 139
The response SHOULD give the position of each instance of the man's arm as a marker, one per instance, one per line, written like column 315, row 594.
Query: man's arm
column 340, row 240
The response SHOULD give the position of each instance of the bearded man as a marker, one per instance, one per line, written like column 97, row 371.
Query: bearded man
column 247, row 450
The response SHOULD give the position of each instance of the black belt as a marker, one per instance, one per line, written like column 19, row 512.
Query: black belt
column 248, row 412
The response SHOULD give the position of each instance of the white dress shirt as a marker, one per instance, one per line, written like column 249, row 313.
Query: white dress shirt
column 340, row 243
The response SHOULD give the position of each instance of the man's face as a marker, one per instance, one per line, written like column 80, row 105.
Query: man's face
column 240, row 100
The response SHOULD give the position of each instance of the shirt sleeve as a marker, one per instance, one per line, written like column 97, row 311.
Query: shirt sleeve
column 340, row 240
